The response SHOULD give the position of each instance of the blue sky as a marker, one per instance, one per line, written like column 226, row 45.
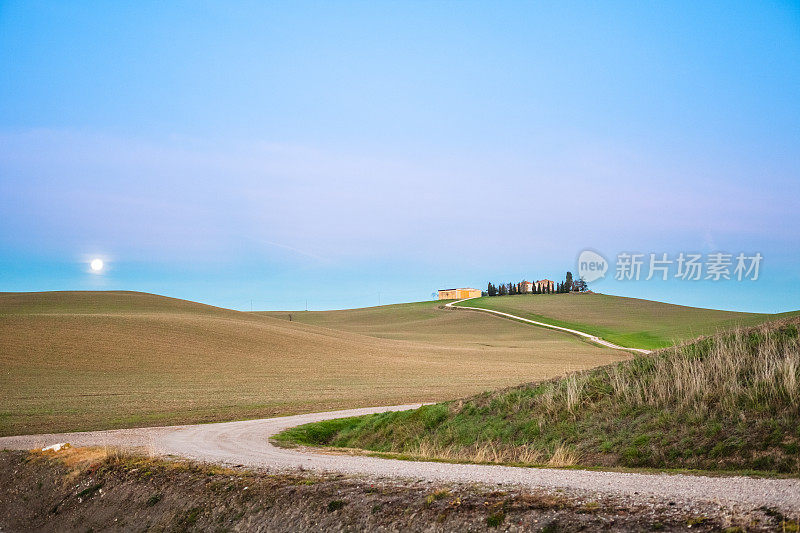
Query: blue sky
column 342, row 152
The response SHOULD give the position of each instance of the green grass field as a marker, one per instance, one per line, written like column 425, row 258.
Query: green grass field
column 98, row 360
column 627, row 322
column 725, row 403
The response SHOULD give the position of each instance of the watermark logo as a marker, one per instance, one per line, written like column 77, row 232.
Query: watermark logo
column 591, row 266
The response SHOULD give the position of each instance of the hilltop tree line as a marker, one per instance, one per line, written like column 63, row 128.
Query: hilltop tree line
column 568, row 285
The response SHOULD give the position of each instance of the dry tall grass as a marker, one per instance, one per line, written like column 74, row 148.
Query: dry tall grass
column 494, row 452
column 758, row 366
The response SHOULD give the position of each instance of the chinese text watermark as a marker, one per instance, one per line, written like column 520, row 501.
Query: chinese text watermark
column 716, row 266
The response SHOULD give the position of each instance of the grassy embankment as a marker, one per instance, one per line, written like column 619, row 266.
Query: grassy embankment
column 624, row 321
column 730, row 402
column 98, row 360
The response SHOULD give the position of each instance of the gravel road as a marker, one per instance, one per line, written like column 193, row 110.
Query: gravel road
column 246, row 443
column 593, row 338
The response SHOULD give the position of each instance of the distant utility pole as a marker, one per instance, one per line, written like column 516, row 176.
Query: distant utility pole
column 251, row 306
column 306, row 304
column 379, row 297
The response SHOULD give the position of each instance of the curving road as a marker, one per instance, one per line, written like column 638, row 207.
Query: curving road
column 592, row 338
column 247, row 443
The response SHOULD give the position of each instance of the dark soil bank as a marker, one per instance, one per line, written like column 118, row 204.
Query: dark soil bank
column 84, row 491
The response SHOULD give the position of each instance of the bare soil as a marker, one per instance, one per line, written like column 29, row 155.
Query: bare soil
column 94, row 489
column 81, row 361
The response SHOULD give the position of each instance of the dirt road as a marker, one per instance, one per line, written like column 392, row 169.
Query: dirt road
column 593, row 338
column 247, row 443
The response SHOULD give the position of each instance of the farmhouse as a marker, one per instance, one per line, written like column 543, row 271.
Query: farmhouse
column 525, row 286
column 458, row 294
column 545, row 285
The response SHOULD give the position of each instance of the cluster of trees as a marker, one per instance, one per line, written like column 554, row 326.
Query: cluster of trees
column 513, row 288
column 575, row 286
column 571, row 285
column 568, row 285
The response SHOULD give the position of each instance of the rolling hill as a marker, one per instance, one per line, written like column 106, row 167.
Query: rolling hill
column 629, row 322
column 99, row 360
column 730, row 402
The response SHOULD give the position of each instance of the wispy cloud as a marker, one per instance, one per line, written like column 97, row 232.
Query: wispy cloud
column 189, row 197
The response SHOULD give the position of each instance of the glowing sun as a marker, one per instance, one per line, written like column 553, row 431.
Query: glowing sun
column 96, row 265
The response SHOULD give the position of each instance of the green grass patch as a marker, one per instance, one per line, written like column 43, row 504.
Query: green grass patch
column 335, row 505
